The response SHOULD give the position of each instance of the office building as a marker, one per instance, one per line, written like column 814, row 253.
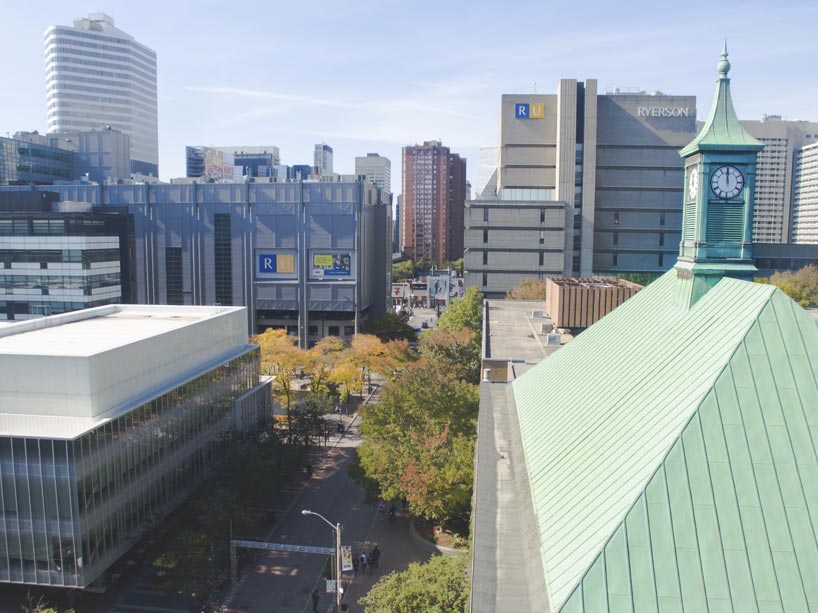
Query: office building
column 55, row 262
column 28, row 161
column 396, row 224
column 773, row 210
column 108, row 416
column 377, row 169
column 310, row 257
column 98, row 155
column 434, row 195
column 322, row 160
column 663, row 460
column 805, row 196
column 209, row 163
column 96, row 76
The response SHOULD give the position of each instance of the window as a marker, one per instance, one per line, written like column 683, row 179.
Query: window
column 485, row 258
column 616, row 238
column 485, row 235
column 312, row 330
column 173, row 275
column 485, row 214
column 349, row 330
column 334, row 330
column 222, row 258
column 542, row 237
column 542, row 215
column 485, row 279
column 661, row 259
column 616, row 217
column 661, row 219
column 615, row 259
column 541, row 254
column 661, row 239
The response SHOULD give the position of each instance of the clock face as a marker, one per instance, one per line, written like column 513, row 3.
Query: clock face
column 693, row 184
column 727, row 181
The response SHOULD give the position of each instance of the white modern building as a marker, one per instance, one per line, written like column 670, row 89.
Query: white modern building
column 107, row 417
column 322, row 159
column 774, row 207
column 377, row 169
column 97, row 75
column 805, row 196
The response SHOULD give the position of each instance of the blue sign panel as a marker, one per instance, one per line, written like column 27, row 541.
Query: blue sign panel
column 267, row 262
column 521, row 110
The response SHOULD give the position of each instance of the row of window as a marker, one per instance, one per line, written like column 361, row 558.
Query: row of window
column 53, row 256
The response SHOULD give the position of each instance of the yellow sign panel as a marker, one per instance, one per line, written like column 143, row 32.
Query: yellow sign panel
column 286, row 262
column 323, row 260
column 537, row 111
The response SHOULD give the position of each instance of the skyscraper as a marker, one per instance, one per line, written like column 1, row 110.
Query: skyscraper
column 322, row 159
column 377, row 169
column 97, row 75
column 434, row 195
column 805, row 196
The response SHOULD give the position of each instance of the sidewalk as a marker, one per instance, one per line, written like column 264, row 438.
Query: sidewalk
column 397, row 551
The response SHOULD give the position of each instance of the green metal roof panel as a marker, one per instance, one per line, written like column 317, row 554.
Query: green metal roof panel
column 730, row 514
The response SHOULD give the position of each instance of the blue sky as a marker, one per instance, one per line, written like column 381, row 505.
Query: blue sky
column 376, row 75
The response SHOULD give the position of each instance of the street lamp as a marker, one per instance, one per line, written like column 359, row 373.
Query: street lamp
column 337, row 529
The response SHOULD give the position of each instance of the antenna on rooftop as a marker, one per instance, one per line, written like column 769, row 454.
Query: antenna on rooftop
column 535, row 87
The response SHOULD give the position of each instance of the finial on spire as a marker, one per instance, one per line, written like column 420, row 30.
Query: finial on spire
column 724, row 64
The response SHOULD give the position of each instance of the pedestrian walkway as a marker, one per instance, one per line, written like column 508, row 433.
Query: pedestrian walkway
column 397, row 552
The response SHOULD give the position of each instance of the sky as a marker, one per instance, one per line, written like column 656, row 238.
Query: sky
column 376, row 75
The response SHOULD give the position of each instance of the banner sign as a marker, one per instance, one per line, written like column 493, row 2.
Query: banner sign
column 331, row 265
column 346, row 557
column 400, row 291
column 276, row 263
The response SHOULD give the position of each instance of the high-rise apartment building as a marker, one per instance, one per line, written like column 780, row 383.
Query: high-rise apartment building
column 96, row 76
column 773, row 208
column 805, row 196
column 434, row 196
column 377, row 169
column 322, row 159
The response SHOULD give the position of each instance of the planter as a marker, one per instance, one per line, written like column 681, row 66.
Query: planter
column 421, row 542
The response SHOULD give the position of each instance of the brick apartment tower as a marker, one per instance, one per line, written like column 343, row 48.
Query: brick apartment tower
column 434, row 196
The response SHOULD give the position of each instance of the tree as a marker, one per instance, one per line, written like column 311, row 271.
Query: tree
column 403, row 271
column 455, row 351
column 396, row 355
column 528, row 289
column 390, row 327
column 417, row 440
column 366, row 350
column 465, row 313
column 801, row 286
column 456, row 265
column 440, row 585
column 322, row 359
column 282, row 359
column 308, row 418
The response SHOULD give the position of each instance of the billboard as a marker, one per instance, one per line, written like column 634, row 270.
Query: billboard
column 438, row 288
column 457, row 289
column 331, row 265
column 275, row 264
column 400, row 291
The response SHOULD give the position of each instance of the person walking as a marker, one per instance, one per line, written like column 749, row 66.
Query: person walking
column 392, row 510
column 381, row 507
column 363, row 562
column 355, row 562
column 375, row 556
column 315, row 597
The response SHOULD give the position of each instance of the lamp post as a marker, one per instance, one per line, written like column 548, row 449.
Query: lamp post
column 337, row 529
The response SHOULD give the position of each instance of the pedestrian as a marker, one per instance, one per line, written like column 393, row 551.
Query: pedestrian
column 381, row 507
column 355, row 562
column 363, row 562
column 375, row 556
column 315, row 597
column 392, row 510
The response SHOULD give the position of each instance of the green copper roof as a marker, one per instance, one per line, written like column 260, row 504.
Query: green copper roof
column 722, row 128
column 671, row 455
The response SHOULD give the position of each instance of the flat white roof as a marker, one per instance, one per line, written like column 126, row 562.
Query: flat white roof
column 91, row 331
column 69, row 373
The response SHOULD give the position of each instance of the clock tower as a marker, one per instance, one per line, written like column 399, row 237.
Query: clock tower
column 717, row 220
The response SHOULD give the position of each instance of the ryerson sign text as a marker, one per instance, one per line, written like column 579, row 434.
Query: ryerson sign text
column 661, row 111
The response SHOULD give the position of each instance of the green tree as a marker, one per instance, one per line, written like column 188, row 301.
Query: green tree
column 465, row 313
column 417, row 440
column 308, row 418
column 440, row 585
column 456, row 265
column 403, row 271
column 528, row 289
column 801, row 286
column 282, row 359
column 390, row 327
column 455, row 351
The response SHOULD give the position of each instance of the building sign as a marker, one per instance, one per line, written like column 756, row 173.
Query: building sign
column 400, row 291
column 276, row 263
column 346, row 557
column 662, row 111
column 525, row 110
column 331, row 265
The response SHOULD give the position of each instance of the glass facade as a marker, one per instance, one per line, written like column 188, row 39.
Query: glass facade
column 71, row 508
column 22, row 163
